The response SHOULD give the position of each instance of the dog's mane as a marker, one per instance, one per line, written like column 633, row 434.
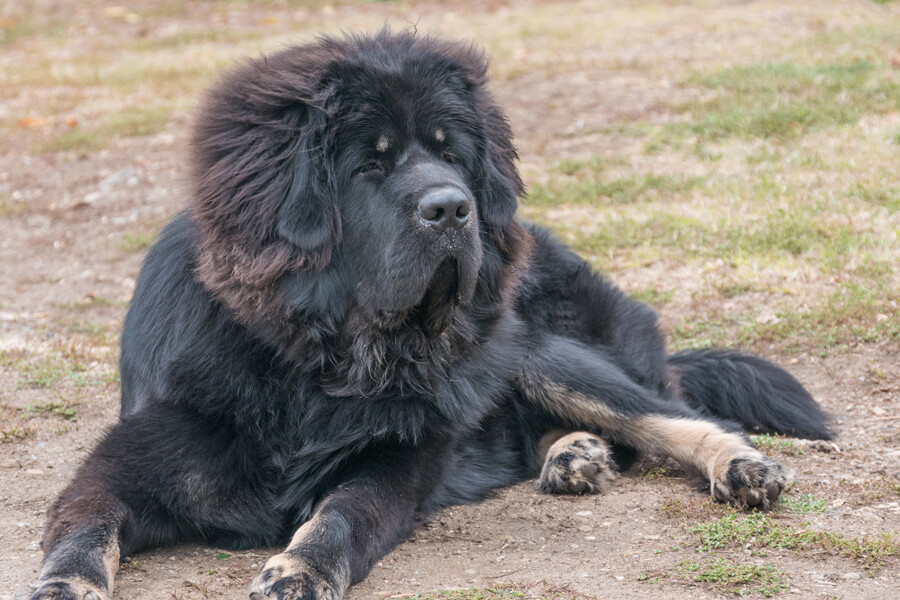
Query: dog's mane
column 264, row 138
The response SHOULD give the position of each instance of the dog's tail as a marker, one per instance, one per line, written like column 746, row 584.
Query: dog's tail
column 760, row 396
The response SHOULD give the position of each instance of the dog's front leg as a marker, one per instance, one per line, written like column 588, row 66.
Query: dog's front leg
column 352, row 527
column 81, row 544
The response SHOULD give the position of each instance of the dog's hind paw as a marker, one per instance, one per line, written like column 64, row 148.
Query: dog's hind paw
column 753, row 481
column 287, row 577
column 578, row 463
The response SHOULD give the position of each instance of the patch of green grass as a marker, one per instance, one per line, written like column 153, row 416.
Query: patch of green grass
column 43, row 374
column 781, row 231
column 741, row 579
column 587, row 181
column 659, row 229
column 132, row 122
column 53, row 409
column 87, row 328
column 854, row 313
column 785, row 100
column 68, row 361
column 89, row 302
column 648, row 578
column 801, row 505
column 761, row 533
column 652, row 296
column 136, row 241
column 72, row 140
column 804, row 229
column 90, row 333
column 620, row 190
column 9, row 435
column 887, row 196
column 732, row 288
column 765, row 156
column 778, row 443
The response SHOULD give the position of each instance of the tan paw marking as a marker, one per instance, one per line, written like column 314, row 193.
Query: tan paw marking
column 578, row 463
column 286, row 577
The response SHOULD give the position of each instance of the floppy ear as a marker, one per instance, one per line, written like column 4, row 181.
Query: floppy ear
column 260, row 180
column 501, row 182
column 308, row 216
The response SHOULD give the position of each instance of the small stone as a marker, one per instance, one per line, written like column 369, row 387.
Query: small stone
column 851, row 576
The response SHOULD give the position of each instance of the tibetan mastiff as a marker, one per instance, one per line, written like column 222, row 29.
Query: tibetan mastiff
column 349, row 326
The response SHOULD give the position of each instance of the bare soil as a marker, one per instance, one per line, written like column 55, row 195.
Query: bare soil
column 65, row 261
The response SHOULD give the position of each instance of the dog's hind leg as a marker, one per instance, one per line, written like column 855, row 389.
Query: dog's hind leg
column 582, row 388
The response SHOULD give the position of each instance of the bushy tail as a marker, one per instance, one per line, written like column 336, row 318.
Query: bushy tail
column 754, row 392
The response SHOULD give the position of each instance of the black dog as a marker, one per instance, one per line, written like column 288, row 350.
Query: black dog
column 349, row 326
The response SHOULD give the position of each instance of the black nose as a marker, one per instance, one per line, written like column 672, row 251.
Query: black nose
column 445, row 208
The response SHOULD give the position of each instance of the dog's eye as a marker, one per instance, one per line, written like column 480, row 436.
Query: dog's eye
column 371, row 167
column 448, row 156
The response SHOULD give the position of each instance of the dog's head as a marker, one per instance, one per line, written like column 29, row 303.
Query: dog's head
column 368, row 172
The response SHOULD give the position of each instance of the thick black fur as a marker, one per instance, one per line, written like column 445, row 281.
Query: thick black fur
column 301, row 344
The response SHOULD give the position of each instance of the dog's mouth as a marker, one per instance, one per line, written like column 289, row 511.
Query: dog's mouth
column 434, row 313
column 432, row 304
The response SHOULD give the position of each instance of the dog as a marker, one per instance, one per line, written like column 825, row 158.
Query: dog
column 348, row 326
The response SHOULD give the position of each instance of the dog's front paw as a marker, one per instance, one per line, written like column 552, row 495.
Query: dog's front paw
column 62, row 589
column 287, row 577
column 578, row 463
column 752, row 481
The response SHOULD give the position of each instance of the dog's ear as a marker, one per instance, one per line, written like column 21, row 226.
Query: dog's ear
column 308, row 216
column 259, row 149
column 502, row 185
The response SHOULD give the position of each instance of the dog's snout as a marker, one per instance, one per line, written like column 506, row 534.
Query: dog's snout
column 445, row 208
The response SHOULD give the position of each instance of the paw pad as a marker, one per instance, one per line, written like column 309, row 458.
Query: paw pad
column 750, row 482
column 578, row 463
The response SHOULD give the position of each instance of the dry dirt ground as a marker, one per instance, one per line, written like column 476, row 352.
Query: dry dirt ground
column 74, row 227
